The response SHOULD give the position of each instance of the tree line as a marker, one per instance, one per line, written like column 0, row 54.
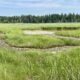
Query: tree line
column 52, row 18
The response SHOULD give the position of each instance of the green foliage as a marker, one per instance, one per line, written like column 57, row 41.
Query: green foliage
column 52, row 18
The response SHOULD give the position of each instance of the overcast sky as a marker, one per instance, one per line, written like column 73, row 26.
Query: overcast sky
column 38, row 7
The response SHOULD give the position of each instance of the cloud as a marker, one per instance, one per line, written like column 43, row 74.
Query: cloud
column 38, row 6
column 29, row 3
column 40, row 3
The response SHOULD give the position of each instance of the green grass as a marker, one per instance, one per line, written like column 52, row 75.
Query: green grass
column 33, row 41
column 37, row 65
column 48, row 26
column 73, row 33
column 38, row 41
column 15, row 37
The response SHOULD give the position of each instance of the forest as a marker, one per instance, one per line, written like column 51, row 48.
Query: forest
column 51, row 18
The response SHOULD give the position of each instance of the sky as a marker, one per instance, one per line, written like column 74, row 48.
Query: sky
column 38, row 7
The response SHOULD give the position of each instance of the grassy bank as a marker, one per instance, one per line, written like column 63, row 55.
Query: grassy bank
column 39, row 41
